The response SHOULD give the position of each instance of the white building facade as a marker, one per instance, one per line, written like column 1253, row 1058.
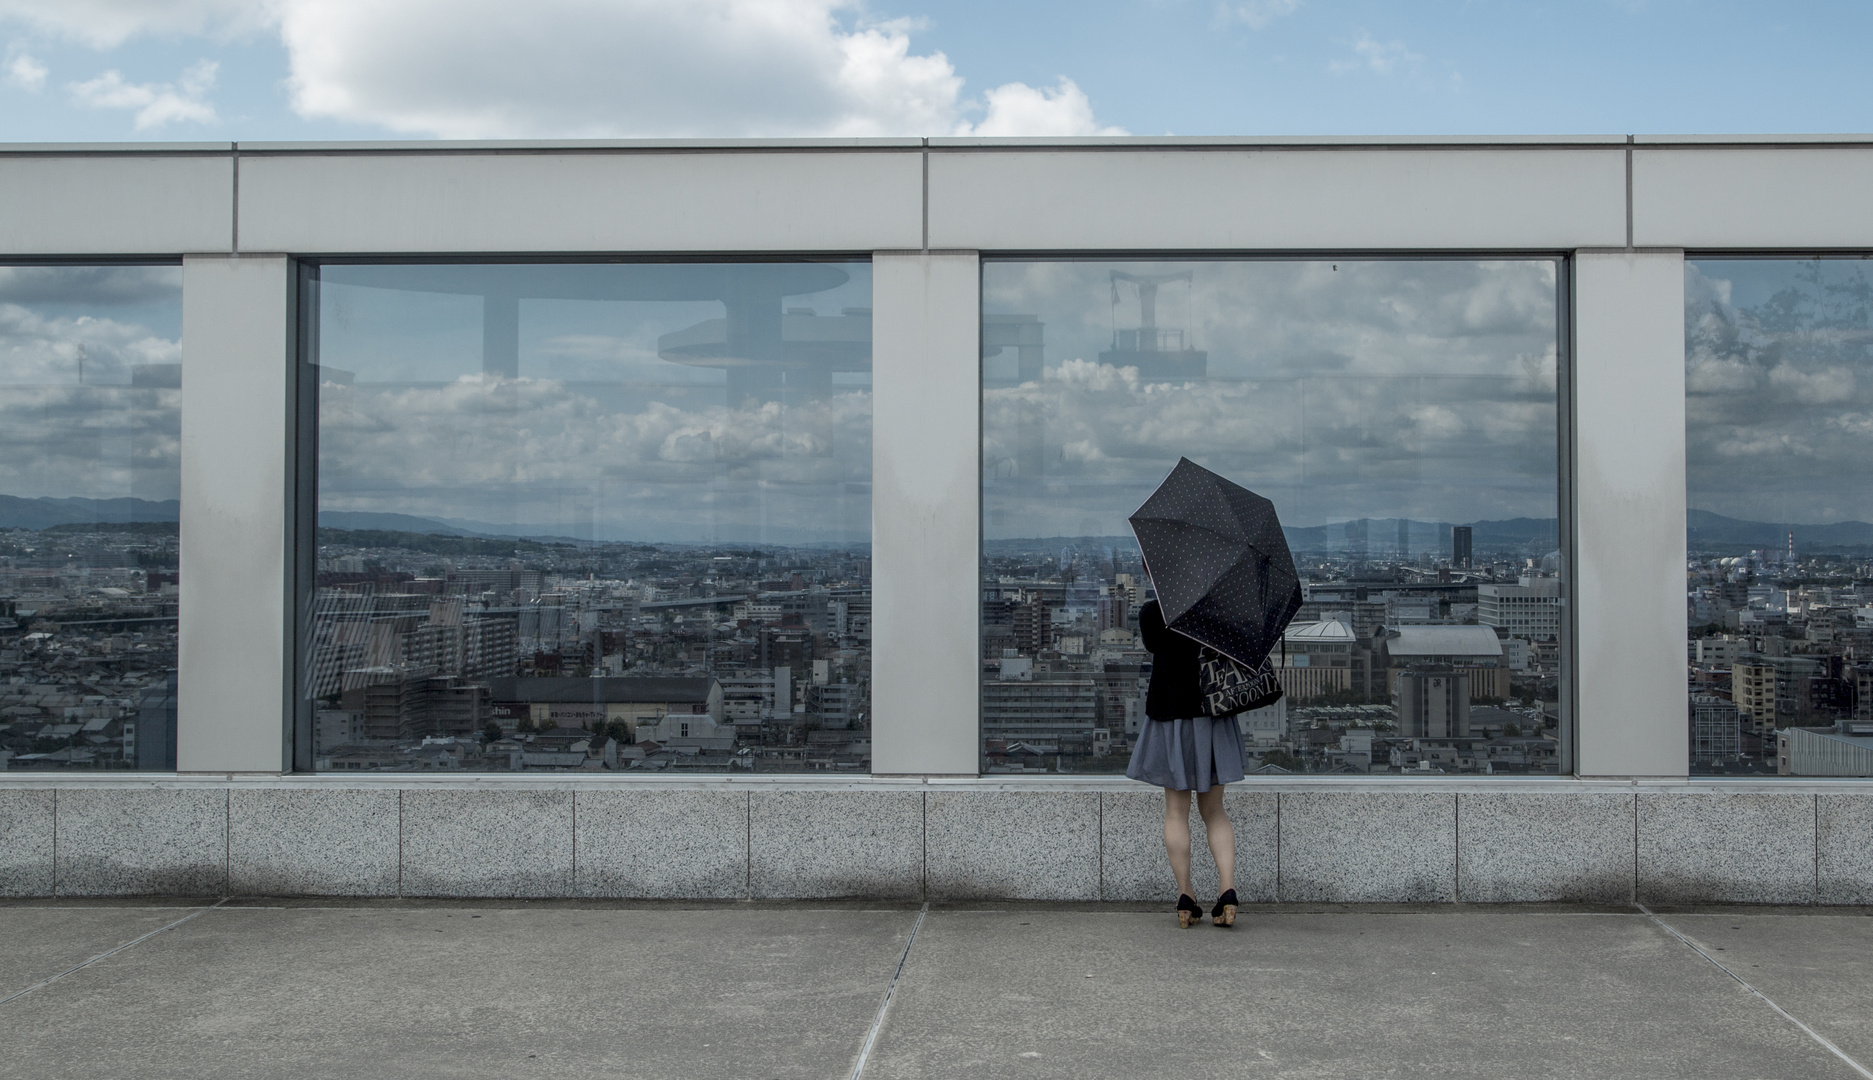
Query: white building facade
column 1618, row 213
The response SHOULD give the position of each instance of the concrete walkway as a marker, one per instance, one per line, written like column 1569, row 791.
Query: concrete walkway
column 768, row 991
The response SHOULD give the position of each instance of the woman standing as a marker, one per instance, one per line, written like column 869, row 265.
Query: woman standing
column 1182, row 750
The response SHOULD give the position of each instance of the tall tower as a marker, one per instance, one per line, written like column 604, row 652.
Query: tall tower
column 1460, row 546
column 1158, row 352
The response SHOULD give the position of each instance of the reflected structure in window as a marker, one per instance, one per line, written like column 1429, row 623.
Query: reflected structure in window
column 1403, row 416
column 91, row 422
column 610, row 517
column 1778, row 432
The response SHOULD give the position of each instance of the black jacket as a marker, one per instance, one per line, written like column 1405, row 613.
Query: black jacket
column 1174, row 690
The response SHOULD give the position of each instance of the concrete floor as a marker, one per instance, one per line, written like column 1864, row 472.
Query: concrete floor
column 426, row 989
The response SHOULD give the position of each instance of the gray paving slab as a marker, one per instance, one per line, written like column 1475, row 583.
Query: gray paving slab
column 466, row 991
column 43, row 940
column 1029, row 992
column 1817, row 965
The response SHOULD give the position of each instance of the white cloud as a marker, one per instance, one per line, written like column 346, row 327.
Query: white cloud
column 1019, row 109
column 583, row 68
column 156, row 104
column 1828, row 386
column 106, row 24
column 490, row 69
column 26, row 73
column 1379, row 57
column 71, row 420
column 1348, row 389
column 1259, row 13
column 494, row 449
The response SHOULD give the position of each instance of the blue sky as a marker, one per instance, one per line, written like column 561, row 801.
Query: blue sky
column 325, row 69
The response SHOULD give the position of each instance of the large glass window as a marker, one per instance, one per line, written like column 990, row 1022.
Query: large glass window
column 1778, row 435
column 1403, row 417
column 90, row 422
column 588, row 516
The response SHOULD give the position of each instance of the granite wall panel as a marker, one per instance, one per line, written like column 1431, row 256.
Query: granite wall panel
column 495, row 843
column 1726, row 847
column 310, row 841
column 142, row 841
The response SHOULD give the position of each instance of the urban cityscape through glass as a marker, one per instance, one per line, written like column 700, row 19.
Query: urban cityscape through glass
column 1402, row 416
column 590, row 516
column 1778, row 433
column 90, row 471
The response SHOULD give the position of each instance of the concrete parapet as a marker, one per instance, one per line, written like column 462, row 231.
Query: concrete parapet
column 1016, row 845
column 1324, row 841
column 141, row 841
column 810, row 844
column 1132, row 863
column 1844, row 849
column 1528, row 848
column 487, row 842
column 1726, row 847
column 26, row 824
column 689, row 845
column 313, row 842
column 1369, row 846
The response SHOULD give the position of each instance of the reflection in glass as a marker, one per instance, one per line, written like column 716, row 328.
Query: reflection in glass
column 1402, row 416
column 590, row 516
column 1778, row 433
column 90, row 471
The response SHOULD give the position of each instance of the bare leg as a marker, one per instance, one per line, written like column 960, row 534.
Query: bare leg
column 1177, row 836
column 1222, row 837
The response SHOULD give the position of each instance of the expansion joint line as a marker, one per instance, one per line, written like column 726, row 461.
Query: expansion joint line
column 1744, row 983
column 113, row 952
column 877, row 1023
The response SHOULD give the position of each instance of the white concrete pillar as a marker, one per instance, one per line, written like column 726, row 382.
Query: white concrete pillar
column 926, row 512
column 1629, row 548
column 234, row 664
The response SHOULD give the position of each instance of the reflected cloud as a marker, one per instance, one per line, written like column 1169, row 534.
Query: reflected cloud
column 1777, row 407
column 90, row 398
column 482, row 446
column 1421, row 389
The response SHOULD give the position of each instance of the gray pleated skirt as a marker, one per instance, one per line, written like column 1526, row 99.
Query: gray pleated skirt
column 1189, row 755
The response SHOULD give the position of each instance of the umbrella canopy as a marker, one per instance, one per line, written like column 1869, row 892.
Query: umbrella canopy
column 1223, row 571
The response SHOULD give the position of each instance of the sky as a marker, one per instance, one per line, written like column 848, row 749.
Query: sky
column 1779, row 389
column 600, row 437
column 186, row 70
column 89, row 401
column 1417, row 389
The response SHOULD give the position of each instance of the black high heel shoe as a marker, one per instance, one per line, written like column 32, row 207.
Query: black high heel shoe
column 1224, row 913
column 1189, row 912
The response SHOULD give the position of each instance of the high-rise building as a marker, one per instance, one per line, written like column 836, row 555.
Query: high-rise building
column 1716, row 730
column 1433, row 703
column 1529, row 609
column 1460, row 555
column 1033, row 627
column 156, row 727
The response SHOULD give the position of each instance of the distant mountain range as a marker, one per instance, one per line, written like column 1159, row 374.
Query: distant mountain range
column 1381, row 536
column 18, row 513
column 1702, row 526
column 408, row 523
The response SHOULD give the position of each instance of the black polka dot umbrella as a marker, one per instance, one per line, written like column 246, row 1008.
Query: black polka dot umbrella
column 1222, row 567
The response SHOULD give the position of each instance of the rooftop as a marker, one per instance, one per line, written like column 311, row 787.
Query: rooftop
column 1325, row 630
column 1442, row 641
column 615, row 690
column 880, row 990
